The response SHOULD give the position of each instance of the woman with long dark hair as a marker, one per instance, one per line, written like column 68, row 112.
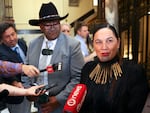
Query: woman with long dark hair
column 114, row 85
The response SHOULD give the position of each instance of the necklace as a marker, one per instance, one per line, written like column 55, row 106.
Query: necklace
column 103, row 73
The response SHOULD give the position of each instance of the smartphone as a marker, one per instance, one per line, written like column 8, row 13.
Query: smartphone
column 46, row 88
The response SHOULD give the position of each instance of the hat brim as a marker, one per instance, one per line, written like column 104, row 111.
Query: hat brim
column 36, row 22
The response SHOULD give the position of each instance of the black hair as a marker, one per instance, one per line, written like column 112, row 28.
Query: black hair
column 4, row 26
column 105, row 25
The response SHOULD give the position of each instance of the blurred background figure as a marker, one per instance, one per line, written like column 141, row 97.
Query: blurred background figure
column 111, row 12
column 81, row 33
column 66, row 28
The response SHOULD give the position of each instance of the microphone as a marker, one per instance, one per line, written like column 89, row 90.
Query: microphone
column 75, row 99
column 49, row 69
column 47, row 52
column 53, row 68
column 4, row 93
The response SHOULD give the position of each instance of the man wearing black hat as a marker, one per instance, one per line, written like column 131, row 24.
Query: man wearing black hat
column 56, row 48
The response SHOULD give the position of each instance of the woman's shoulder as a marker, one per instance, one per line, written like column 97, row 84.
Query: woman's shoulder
column 86, row 70
column 135, row 75
column 133, row 70
column 131, row 65
column 89, row 66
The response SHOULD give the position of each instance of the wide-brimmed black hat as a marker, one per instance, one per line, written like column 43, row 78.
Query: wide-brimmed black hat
column 48, row 12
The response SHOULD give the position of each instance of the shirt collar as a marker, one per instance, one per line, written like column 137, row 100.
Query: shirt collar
column 13, row 48
column 80, row 38
column 50, row 42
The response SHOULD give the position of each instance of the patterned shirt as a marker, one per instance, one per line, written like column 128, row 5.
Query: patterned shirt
column 8, row 68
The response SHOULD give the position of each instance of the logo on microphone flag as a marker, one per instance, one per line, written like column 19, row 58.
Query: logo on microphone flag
column 75, row 99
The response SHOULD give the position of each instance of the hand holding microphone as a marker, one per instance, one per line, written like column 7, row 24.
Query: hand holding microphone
column 75, row 99
column 53, row 68
column 50, row 69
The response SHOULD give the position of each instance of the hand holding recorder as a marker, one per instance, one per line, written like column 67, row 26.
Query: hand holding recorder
column 41, row 97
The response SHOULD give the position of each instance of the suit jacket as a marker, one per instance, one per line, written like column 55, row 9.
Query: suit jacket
column 7, row 54
column 67, row 51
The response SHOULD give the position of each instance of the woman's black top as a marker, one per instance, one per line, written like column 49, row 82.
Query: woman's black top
column 127, row 94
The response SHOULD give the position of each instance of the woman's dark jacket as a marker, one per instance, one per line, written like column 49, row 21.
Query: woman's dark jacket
column 126, row 95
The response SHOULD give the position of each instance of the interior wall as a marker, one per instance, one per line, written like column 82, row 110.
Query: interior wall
column 24, row 10
column 1, row 8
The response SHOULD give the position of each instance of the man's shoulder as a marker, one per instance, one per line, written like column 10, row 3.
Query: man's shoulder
column 22, row 42
column 3, row 47
column 5, row 52
column 39, row 38
column 68, row 39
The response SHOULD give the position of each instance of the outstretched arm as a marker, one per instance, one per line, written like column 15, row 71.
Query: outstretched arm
column 15, row 91
column 8, row 69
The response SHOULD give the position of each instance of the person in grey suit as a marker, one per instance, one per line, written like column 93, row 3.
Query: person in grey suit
column 57, row 48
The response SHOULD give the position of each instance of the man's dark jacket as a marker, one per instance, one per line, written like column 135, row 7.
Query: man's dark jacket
column 7, row 54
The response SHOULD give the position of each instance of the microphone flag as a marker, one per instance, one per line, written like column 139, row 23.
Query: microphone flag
column 75, row 99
